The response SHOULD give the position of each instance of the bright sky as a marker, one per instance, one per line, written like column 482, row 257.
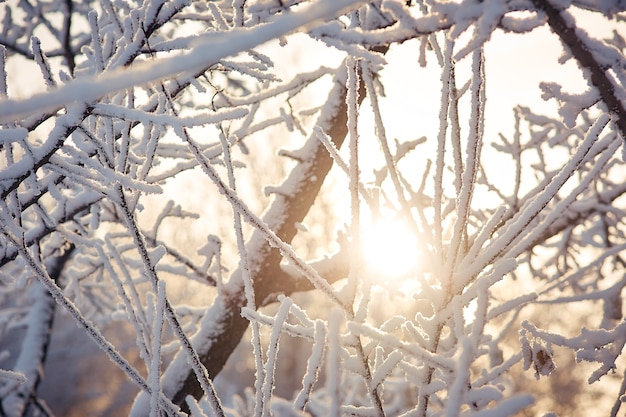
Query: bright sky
column 515, row 66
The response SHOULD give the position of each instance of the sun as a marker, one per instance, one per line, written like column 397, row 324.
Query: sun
column 390, row 250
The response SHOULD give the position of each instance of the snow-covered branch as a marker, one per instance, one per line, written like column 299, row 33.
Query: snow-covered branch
column 172, row 176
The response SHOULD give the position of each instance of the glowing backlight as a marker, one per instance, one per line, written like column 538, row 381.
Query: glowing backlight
column 390, row 250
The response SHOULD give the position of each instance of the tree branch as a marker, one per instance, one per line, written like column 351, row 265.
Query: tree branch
column 288, row 209
column 36, row 341
column 222, row 326
column 563, row 24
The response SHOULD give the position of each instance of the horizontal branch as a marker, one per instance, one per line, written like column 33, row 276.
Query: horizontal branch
column 205, row 52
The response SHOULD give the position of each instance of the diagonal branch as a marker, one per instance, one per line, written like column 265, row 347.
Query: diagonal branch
column 202, row 55
column 289, row 208
column 32, row 356
column 563, row 24
column 223, row 326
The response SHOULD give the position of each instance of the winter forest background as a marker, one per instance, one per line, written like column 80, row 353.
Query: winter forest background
column 312, row 208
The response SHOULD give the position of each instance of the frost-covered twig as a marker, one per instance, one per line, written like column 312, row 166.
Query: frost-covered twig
column 262, row 403
column 154, row 373
column 149, row 261
column 45, row 279
column 563, row 24
column 32, row 356
column 534, row 206
column 446, row 108
column 203, row 54
column 458, row 244
column 313, row 366
column 222, row 326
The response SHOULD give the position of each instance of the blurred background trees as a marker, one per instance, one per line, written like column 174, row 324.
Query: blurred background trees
column 312, row 208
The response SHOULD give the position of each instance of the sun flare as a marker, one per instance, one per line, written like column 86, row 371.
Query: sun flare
column 390, row 250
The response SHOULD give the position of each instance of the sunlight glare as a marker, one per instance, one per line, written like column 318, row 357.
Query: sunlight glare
column 390, row 250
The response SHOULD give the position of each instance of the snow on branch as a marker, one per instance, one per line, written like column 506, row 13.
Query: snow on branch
column 203, row 54
column 165, row 122
column 147, row 118
column 589, row 56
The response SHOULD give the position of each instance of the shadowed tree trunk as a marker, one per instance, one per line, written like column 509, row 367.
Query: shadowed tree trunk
column 36, row 342
column 289, row 207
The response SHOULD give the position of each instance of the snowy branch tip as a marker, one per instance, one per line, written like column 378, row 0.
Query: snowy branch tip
column 206, row 50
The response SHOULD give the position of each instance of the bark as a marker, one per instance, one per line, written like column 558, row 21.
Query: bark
column 562, row 24
column 289, row 207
